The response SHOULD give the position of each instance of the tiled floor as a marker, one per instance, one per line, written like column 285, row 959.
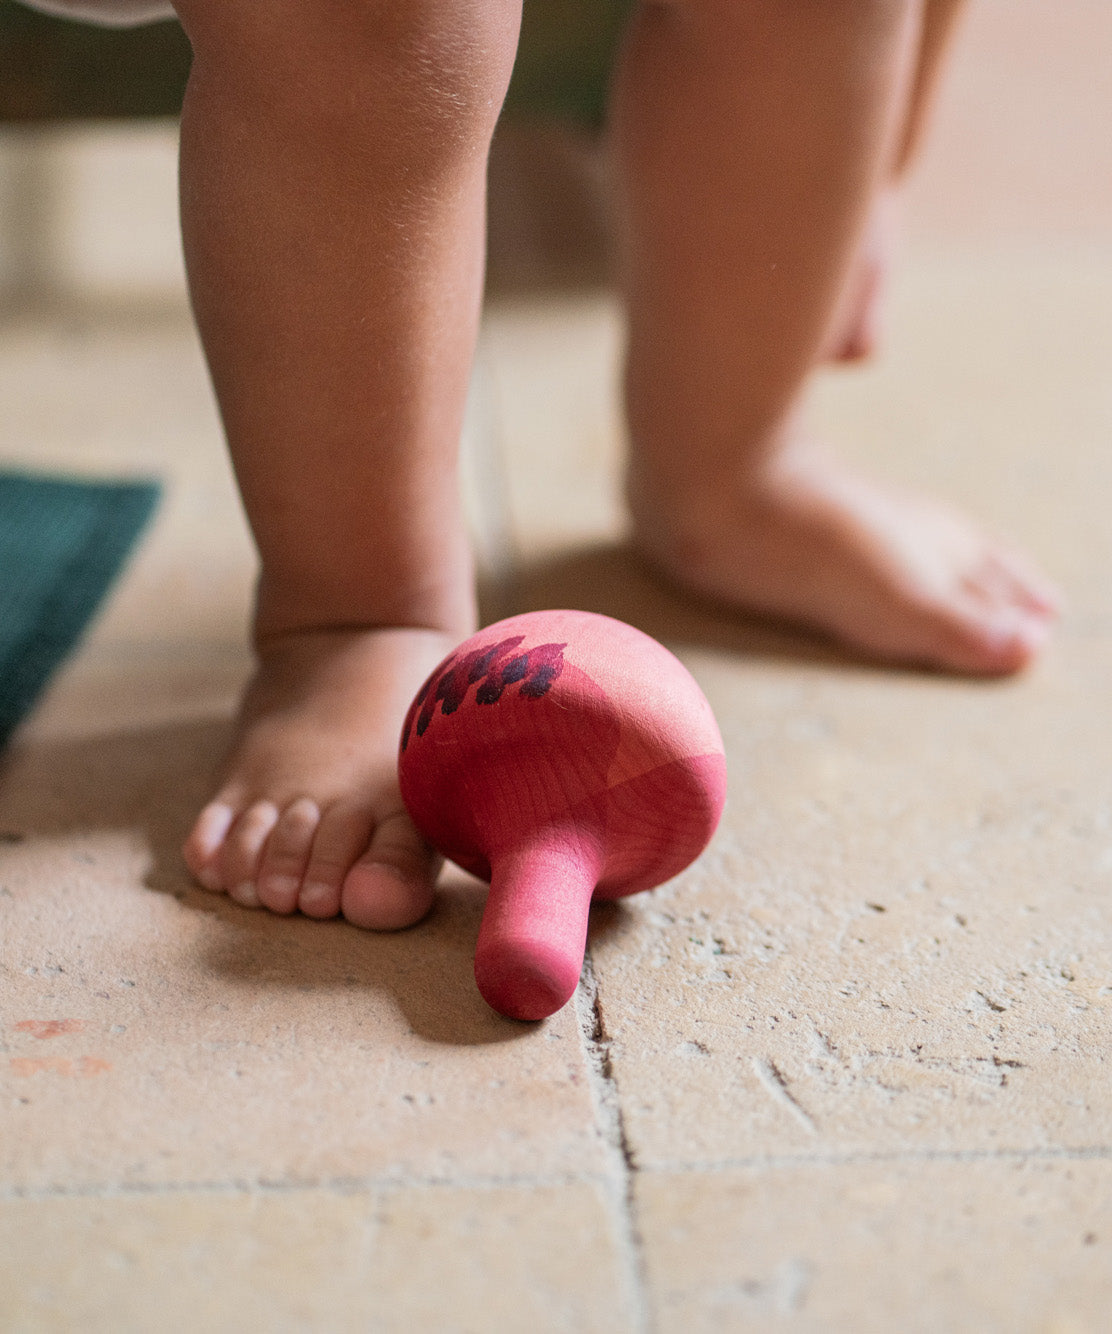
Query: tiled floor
column 847, row 1073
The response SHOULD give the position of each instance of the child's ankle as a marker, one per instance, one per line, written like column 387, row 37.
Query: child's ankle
column 285, row 615
column 678, row 495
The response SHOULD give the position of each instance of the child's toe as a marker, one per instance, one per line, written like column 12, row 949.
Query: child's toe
column 286, row 856
column 242, row 851
column 201, row 849
column 994, row 641
column 342, row 835
column 1028, row 587
column 391, row 885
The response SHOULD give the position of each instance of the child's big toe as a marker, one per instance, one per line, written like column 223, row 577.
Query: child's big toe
column 1006, row 641
column 391, row 885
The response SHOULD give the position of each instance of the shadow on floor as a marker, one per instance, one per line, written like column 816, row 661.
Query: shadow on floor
column 151, row 781
column 610, row 578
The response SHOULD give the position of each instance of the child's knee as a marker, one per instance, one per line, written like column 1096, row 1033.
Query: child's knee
column 409, row 66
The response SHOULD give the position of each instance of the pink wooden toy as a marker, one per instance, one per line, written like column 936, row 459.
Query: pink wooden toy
column 560, row 755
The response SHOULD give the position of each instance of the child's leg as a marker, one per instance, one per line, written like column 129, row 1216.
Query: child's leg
column 753, row 139
column 333, row 180
column 857, row 325
column 939, row 21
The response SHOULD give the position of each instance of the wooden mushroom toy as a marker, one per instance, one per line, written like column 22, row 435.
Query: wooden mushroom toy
column 561, row 755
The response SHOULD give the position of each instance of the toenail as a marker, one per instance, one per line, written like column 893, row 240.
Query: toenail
column 1016, row 640
column 316, row 896
column 1007, row 633
column 208, row 877
column 1034, row 636
column 281, row 884
column 408, row 882
column 245, row 895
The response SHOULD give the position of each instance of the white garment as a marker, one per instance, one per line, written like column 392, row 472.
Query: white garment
column 108, row 13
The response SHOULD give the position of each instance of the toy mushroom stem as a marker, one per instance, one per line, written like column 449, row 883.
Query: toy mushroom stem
column 534, row 930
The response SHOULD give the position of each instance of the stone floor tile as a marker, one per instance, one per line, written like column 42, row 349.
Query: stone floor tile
column 898, row 936
column 878, row 951
column 436, row 1258
column 973, row 1246
column 967, row 1005
column 279, row 1260
column 545, row 1258
column 155, row 1034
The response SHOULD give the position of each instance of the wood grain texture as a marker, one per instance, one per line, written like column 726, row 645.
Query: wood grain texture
column 562, row 755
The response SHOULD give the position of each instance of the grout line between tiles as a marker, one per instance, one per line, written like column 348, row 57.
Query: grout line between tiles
column 862, row 1158
column 611, row 1123
column 331, row 1185
column 555, row 1180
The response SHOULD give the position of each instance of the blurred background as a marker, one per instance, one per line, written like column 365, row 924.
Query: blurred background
column 1021, row 147
column 80, row 210
column 50, row 68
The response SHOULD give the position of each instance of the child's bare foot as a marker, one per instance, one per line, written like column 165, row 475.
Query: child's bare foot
column 308, row 815
column 898, row 577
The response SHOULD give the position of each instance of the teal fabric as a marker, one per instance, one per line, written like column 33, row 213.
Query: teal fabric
column 62, row 543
